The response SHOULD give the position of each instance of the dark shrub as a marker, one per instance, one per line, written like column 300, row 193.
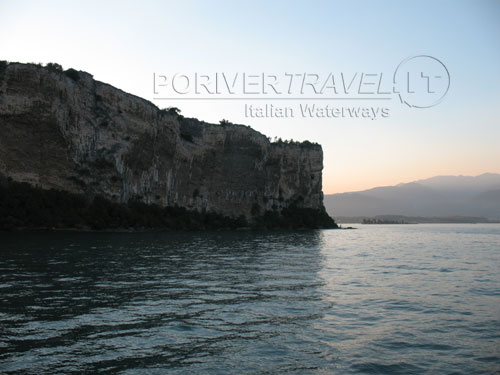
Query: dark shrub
column 54, row 67
column 73, row 74
column 171, row 111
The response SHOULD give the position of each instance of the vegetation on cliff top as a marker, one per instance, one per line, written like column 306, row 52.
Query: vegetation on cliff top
column 23, row 206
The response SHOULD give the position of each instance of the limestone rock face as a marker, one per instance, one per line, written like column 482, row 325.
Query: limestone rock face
column 85, row 136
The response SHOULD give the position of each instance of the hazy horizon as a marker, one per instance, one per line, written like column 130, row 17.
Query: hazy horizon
column 124, row 44
column 415, row 181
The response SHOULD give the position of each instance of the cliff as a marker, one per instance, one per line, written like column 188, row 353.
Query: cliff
column 67, row 131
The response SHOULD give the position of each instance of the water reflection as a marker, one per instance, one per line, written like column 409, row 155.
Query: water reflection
column 167, row 300
column 381, row 299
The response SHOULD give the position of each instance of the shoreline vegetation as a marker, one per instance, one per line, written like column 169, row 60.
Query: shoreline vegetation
column 25, row 207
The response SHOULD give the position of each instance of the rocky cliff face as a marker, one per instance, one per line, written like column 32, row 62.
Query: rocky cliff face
column 70, row 132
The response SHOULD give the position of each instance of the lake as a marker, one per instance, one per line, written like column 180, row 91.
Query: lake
column 382, row 299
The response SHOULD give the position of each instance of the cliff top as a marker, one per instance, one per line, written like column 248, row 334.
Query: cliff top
column 79, row 76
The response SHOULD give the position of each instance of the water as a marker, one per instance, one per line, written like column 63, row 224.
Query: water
column 383, row 299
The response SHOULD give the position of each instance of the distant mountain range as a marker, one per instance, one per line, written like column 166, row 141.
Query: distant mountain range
column 441, row 196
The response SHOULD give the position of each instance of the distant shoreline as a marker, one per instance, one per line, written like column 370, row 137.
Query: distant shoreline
column 401, row 219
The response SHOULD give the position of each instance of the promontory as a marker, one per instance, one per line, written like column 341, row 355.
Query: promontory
column 62, row 132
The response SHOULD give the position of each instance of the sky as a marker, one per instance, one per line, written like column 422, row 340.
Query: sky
column 127, row 43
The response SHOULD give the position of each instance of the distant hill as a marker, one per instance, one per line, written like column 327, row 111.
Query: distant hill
column 441, row 196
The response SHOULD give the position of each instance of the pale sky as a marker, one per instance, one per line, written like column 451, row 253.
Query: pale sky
column 124, row 43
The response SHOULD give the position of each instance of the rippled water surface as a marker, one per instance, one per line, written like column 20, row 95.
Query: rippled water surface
column 383, row 299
